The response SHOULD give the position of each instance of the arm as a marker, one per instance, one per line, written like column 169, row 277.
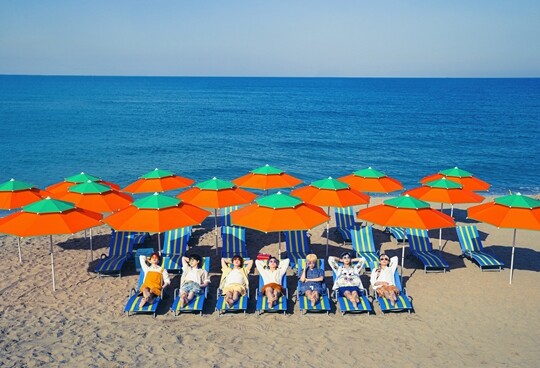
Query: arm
column 361, row 262
column 248, row 265
column 394, row 263
column 144, row 265
column 333, row 262
column 166, row 279
column 318, row 279
column 225, row 263
column 185, row 262
column 205, row 279
column 260, row 265
column 303, row 275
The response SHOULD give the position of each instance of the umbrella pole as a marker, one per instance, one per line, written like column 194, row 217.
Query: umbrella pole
column 279, row 245
column 52, row 264
column 402, row 261
column 91, row 250
column 159, row 242
column 215, row 229
column 327, row 231
column 19, row 246
column 512, row 261
column 440, row 233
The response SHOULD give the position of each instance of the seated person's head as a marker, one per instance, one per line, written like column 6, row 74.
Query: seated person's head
column 195, row 260
column 311, row 260
column 346, row 257
column 272, row 262
column 155, row 258
column 237, row 261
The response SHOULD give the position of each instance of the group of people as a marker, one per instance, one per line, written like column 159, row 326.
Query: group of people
column 234, row 281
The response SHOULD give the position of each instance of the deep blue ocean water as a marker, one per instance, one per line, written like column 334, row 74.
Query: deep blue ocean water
column 119, row 128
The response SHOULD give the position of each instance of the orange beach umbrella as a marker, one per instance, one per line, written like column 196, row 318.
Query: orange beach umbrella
column 156, row 213
column 279, row 212
column 158, row 181
column 444, row 191
column 96, row 197
column 15, row 194
column 465, row 178
column 70, row 181
column 514, row 211
column 330, row 193
column 370, row 180
column 267, row 177
column 49, row 217
column 216, row 193
column 408, row 212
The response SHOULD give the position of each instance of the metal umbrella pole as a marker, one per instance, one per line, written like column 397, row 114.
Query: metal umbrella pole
column 512, row 261
column 19, row 246
column 52, row 263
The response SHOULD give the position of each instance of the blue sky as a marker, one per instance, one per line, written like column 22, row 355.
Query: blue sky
column 271, row 38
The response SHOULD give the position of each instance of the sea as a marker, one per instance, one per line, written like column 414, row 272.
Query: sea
column 119, row 128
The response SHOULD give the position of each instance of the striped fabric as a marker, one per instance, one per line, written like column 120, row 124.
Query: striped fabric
column 471, row 246
column 296, row 245
column 197, row 304
column 345, row 220
column 262, row 300
column 398, row 233
column 226, row 215
column 402, row 304
column 303, row 302
column 174, row 247
column 421, row 248
column 120, row 248
column 364, row 246
column 234, row 241
column 138, row 237
column 132, row 305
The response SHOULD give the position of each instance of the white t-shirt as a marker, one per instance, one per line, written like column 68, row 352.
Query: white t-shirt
column 235, row 277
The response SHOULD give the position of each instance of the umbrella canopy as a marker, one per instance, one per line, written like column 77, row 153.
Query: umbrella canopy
column 265, row 178
column 513, row 211
column 156, row 213
column 465, row 178
column 15, row 194
column 372, row 181
column 330, row 193
column 96, row 197
column 279, row 212
column 158, row 181
column 216, row 193
column 49, row 217
column 444, row 191
column 70, row 181
column 409, row 212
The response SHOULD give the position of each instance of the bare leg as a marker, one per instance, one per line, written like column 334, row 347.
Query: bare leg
column 271, row 298
column 229, row 298
column 351, row 298
column 146, row 295
column 236, row 296
column 190, row 296
column 183, row 301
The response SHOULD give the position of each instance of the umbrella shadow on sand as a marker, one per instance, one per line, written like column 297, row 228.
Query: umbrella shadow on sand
column 525, row 258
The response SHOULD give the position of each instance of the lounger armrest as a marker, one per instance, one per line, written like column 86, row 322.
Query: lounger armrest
column 132, row 292
column 103, row 256
column 176, row 292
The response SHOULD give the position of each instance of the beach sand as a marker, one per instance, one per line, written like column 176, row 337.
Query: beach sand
column 463, row 317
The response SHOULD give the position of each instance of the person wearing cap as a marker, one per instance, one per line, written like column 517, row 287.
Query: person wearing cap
column 347, row 281
column 194, row 279
column 155, row 278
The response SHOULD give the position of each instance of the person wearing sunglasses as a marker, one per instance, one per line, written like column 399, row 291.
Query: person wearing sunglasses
column 382, row 279
column 272, row 272
column 347, row 281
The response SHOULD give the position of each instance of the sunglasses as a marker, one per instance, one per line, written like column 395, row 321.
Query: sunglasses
column 384, row 259
column 346, row 256
column 272, row 261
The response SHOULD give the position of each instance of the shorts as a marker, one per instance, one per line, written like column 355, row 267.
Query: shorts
column 191, row 286
column 310, row 286
column 272, row 285
column 234, row 287
column 343, row 289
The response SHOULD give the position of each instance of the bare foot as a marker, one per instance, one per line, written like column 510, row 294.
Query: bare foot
column 143, row 301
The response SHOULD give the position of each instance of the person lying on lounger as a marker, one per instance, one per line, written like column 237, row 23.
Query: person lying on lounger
column 155, row 278
column 382, row 279
column 234, row 281
column 194, row 279
column 348, row 283
column 272, row 272
column 311, row 280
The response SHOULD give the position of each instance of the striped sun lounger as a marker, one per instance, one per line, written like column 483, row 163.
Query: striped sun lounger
column 304, row 304
column 132, row 305
column 364, row 246
column 421, row 248
column 262, row 300
column 472, row 248
column 120, row 249
column 398, row 233
column 297, row 246
column 402, row 304
column 197, row 304
column 345, row 220
column 174, row 247
column 234, row 241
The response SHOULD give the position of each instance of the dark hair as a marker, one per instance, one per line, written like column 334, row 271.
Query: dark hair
column 196, row 257
column 268, row 261
column 157, row 255
column 240, row 258
column 345, row 254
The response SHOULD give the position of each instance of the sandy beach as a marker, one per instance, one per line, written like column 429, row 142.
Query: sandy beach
column 463, row 317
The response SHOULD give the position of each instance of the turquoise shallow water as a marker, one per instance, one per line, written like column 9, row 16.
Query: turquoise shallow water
column 119, row 128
